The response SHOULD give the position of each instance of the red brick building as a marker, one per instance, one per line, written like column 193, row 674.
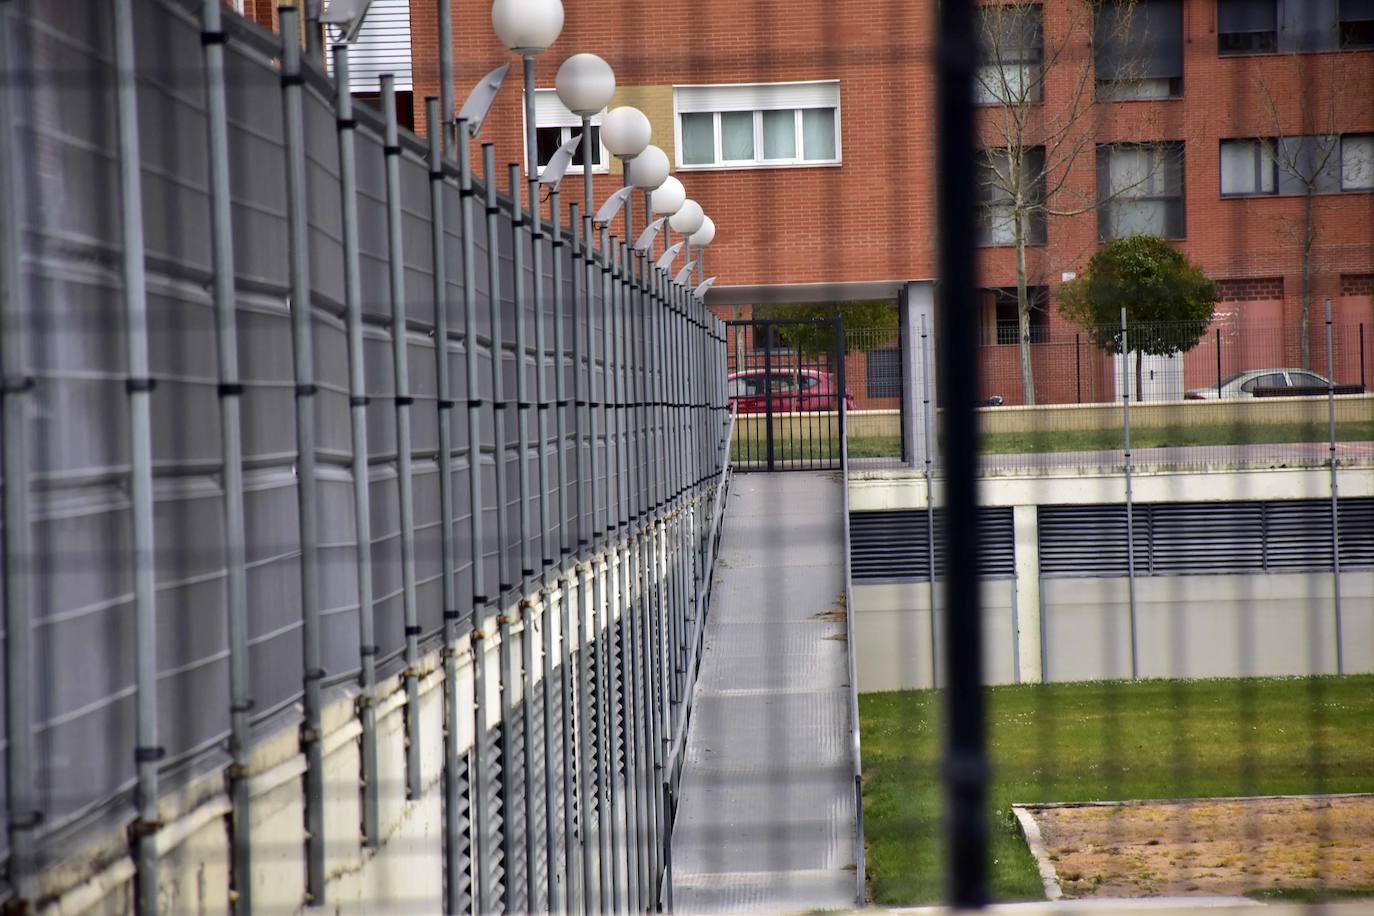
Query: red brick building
column 806, row 130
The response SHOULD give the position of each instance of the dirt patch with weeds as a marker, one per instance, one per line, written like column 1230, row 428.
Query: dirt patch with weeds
column 1210, row 846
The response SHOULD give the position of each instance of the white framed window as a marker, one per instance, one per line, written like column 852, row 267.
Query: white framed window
column 555, row 125
column 1357, row 162
column 1248, row 167
column 1140, row 190
column 760, row 125
column 1011, row 54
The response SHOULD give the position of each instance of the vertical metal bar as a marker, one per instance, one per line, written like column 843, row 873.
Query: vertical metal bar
column 304, row 357
column 522, row 393
column 1218, row 332
column 147, row 752
column 400, row 365
column 927, row 409
column 470, row 345
column 559, row 895
column 453, row 797
column 1077, row 371
column 482, row 901
column 505, row 576
column 1335, row 502
column 443, row 13
column 510, row 828
column 541, row 382
column 475, row 526
column 768, row 388
column 1362, row 384
column 965, row 766
column 1130, row 494
column 357, row 400
column 529, row 613
column 16, row 392
column 231, row 442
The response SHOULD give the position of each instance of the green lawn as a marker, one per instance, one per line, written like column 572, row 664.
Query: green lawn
column 1102, row 741
column 1106, row 439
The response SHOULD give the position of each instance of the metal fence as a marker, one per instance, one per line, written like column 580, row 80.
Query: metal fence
column 287, row 408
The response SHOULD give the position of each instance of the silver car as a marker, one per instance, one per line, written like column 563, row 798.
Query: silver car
column 1244, row 384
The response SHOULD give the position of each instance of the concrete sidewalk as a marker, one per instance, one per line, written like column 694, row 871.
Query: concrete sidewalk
column 766, row 818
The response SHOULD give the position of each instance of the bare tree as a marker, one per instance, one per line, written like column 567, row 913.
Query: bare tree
column 1304, row 155
column 1033, row 139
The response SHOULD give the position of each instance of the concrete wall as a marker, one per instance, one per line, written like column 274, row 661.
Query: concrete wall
column 1069, row 629
column 892, row 631
column 1239, row 412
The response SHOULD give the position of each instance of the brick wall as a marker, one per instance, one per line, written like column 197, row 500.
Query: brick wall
column 1250, row 289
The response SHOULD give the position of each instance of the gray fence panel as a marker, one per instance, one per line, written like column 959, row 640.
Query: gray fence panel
column 325, row 205
column 272, row 551
column 386, row 560
column 428, row 546
column 372, row 241
column 417, row 241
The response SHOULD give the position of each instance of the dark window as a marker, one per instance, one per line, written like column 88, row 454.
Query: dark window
column 997, row 183
column 1004, row 326
column 549, row 139
column 1011, row 54
column 1357, row 23
column 1309, row 163
column 1306, row 380
column 884, row 372
column 1140, row 190
column 1247, row 26
column 1272, row 380
column 1138, row 50
column 1309, row 25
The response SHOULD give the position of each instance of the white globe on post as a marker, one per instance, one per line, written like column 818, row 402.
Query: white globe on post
column 669, row 197
column 527, row 26
column 625, row 132
column 688, row 219
column 649, row 169
column 586, row 84
column 703, row 236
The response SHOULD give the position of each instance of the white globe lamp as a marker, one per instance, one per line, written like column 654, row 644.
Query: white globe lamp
column 585, row 84
column 527, row 26
column 688, row 219
column 625, row 132
column 669, row 197
column 705, row 235
column 649, row 169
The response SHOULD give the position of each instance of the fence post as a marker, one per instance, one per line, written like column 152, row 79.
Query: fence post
column 1218, row 331
column 928, row 419
column 304, row 358
column 1130, row 496
column 231, row 441
column 1335, row 503
column 400, row 366
column 505, row 579
column 1077, row 371
column 16, row 393
column 916, row 310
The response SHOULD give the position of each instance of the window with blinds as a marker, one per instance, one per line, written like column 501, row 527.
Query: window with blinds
column 382, row 46
column 1179, row 539
column 1140, row 190
column 1138, row 50
column 754, row 125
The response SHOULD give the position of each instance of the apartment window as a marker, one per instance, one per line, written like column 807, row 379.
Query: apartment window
column 1138, row 50
column 1002, row 322
column 1309, row 164
column 1269, row 26
column 1357, row 162
column 555, row 125
column 1140, row 190
column 770, row 124
column 997, row 186
column 1011, row 49
column 1248, row 167
column 1247, row 26
column 1357, row 24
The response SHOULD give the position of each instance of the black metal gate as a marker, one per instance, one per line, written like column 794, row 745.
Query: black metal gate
column 786, row 382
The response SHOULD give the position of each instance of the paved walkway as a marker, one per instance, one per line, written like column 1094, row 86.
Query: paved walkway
column 766, row 818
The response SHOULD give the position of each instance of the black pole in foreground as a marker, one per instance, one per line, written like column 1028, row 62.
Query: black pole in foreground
column 965, row 763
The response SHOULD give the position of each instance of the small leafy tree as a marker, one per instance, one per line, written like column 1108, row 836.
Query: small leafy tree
column 815, row 339
column 1168, row 301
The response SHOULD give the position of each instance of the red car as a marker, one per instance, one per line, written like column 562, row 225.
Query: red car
column 793, row 390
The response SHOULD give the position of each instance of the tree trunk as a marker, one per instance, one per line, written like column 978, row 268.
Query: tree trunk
column 1308, row 233
column 1023, row 313
column 1139, row 389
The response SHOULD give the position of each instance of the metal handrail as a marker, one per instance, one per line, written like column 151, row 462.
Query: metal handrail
column 856, row 756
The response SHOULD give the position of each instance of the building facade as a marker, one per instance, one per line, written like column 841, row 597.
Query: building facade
column 1243, row 130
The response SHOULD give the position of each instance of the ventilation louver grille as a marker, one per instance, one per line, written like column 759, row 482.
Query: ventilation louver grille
column 893, row 545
